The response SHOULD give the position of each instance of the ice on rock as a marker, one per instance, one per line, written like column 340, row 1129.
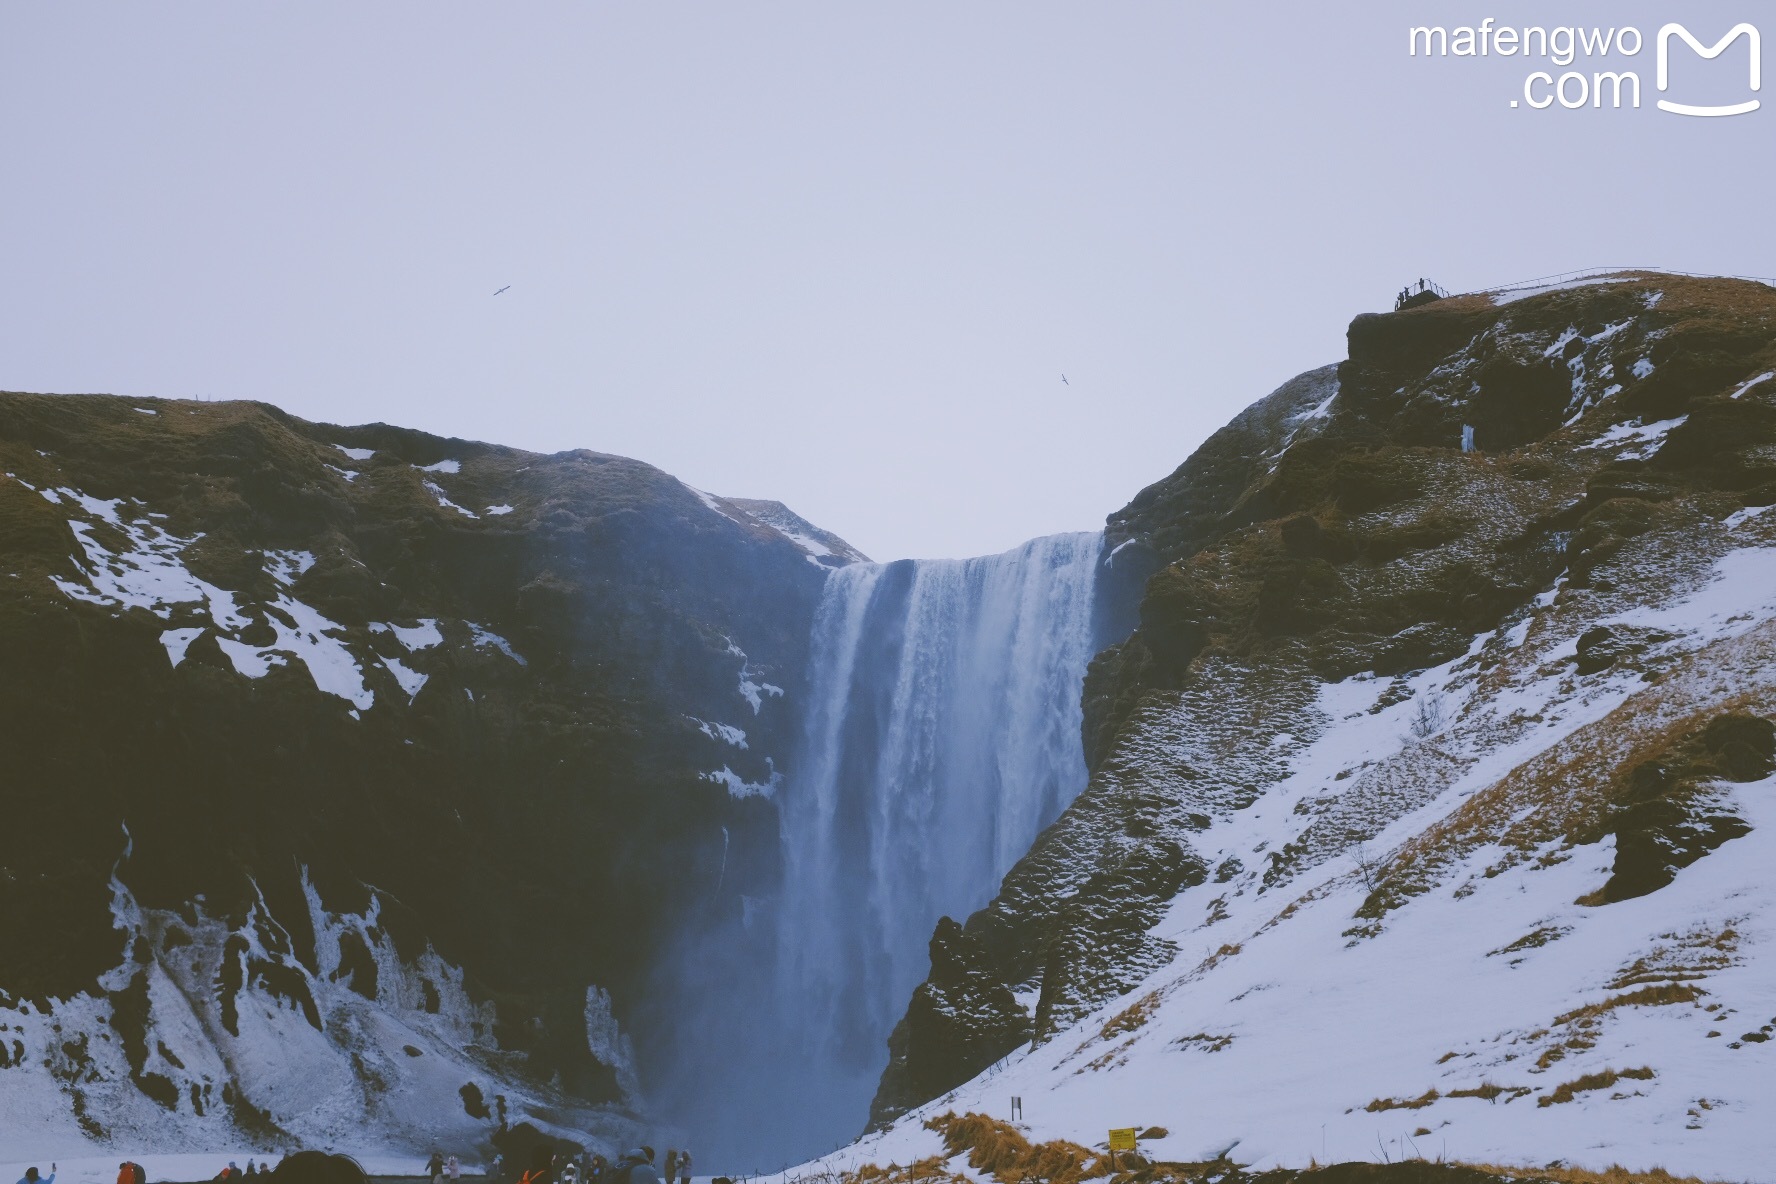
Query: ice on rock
column 739, row 787
column 752, row 690
column 726, row 733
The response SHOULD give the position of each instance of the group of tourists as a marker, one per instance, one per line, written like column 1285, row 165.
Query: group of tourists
column 633, row 1167
column 444, row 1167
column 547, row 1167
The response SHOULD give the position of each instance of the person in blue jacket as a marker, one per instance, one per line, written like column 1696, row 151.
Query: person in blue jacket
column 31, row 1176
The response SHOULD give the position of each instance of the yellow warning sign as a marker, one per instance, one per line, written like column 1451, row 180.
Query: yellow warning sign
column 1122, row 1139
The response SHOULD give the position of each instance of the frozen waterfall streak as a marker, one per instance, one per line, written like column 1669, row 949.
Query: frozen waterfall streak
column 944, row 734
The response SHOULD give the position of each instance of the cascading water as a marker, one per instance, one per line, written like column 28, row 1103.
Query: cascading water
column 941, row 734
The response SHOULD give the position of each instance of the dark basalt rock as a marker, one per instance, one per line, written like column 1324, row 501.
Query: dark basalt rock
column 1326, row 537
column 510, row 817
column 959, row 1022
column 1666, row 813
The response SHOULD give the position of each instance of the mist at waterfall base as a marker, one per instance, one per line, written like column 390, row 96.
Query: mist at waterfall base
column 940, row 735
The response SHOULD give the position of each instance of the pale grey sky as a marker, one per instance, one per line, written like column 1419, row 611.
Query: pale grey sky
column 837, row 254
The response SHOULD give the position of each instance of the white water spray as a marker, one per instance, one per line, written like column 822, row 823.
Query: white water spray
column 943, row 734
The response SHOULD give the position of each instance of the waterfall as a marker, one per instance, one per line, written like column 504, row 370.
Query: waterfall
column 942, row 735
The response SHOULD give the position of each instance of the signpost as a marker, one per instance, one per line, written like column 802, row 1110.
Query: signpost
column 1121, row 1139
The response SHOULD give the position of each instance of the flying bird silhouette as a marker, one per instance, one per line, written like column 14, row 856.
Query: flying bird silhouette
column 502, row 289
column 1064, row 380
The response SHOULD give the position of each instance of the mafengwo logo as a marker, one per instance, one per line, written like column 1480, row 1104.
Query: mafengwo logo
column 1603, row 82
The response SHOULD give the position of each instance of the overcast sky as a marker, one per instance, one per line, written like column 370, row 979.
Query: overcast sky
column 834, row 253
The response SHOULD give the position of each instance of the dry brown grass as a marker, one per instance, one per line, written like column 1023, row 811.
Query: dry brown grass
column 1001, row 1151
column 1657, row 996
column 1566, row 788
column 1566, row 1091
column 1584, row 1023
column 1614, row 1174
column 930, row 1170
column 1693, row 954
column 1131, row 1018
column 1418, row 1103
column 1491, row 1092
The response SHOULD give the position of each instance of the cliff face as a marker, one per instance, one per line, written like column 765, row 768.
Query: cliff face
column 342, row 765
column 1372, row 669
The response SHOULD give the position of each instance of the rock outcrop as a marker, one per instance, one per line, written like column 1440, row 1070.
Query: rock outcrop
column 341, row 764
column 1337, row 536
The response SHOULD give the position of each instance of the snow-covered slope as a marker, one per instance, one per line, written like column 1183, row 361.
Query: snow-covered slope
column 1438, row 814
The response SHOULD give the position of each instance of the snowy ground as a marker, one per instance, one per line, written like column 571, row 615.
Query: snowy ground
column 1289, row 1029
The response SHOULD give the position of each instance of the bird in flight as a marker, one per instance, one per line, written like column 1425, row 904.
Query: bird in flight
column 1064, row 381
column 502, row 289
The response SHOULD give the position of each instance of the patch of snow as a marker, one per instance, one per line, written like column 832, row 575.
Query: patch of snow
column 1644, row 438
column 422, row 636
column 1751, row 382
column 752, row 690
column 1739, row 517
column 356, row 453
column 144, row 411
column 487, row 638
column 287, row 566
column 739, row 787
column 726, row 733
column 444, row 500
column 411, row 680
column 249, row 661
column 443, row 466
column 148, row 573
column 496, row 511
column 303, row 633
column 1643, row 368
column 177, row 641
column 348, row 474
column 711, row 501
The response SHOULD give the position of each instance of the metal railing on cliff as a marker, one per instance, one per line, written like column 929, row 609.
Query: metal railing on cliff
column 1567, row 277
